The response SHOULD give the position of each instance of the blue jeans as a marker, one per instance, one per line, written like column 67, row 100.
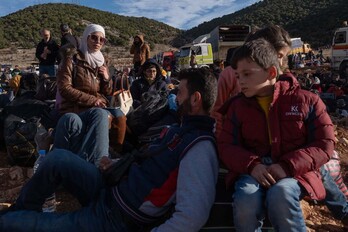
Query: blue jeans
column 85, row 134
column 281, row 202
column 83, row 180
column 335, row 200
column 47, row 69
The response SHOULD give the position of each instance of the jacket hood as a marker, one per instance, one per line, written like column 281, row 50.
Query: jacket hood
column 68, row 50
column 287, row 82
column 141, row 37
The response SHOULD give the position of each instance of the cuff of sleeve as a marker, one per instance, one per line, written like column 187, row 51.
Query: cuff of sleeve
column 253, row 165
column 106, row 80
column 285, row 167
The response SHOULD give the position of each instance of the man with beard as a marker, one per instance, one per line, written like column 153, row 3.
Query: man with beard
column 171, row 190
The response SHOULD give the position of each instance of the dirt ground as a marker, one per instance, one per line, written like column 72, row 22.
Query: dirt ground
column 318, row 216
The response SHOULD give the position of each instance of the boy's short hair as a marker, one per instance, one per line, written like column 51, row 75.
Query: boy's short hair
column 260, row 51
column 203, row 81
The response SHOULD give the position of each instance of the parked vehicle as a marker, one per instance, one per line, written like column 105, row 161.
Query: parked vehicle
column 213, row 46
column 298, row 46
column 166, row 60
column 225, row 37
column 339, row 61
column 203, row 53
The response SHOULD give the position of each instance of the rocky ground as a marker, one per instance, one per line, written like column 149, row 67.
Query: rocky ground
column 318, row 217
column 119, row 56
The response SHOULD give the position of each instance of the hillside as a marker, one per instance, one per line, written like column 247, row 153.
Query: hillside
column 21, row 29
column 314, row 21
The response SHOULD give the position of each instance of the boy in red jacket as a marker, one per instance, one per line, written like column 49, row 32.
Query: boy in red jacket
column 275, row 137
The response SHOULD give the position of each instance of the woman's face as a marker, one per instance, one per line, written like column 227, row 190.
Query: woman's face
column 95, row 41
column 150, row 74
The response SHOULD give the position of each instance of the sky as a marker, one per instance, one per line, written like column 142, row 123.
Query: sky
column 182, row 14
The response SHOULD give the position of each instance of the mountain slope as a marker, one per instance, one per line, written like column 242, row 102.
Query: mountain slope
column 314, row 21
column 22, row 27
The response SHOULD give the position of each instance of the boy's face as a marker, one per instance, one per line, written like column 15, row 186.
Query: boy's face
column 254, row 80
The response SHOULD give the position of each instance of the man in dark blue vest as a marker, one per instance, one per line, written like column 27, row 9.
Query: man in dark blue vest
column 171, row 190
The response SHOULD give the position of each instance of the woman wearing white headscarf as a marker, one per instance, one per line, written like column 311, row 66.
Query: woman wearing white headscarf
column 83, row 80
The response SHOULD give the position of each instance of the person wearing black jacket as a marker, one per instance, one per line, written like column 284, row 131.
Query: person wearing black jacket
column 67, row 37
column 46, row 53
column 151, row 79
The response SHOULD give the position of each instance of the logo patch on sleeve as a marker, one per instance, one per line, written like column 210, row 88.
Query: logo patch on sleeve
column 174, row 142
column 164, row 132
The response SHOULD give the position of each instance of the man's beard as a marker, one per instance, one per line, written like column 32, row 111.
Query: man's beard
column 184, row 108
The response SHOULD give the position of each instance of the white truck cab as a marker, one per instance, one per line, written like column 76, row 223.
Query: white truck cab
column 340, row 51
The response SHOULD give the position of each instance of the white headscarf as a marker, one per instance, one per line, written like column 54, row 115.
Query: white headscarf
column 95, row 59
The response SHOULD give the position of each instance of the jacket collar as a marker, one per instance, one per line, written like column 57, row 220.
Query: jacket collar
column 285, row 83
column 200, row 122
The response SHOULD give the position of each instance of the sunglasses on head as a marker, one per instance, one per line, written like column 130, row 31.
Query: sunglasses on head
column 98, row 39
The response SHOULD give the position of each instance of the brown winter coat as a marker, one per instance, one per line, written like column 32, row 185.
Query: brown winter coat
column 79, row 84
column 142, row 53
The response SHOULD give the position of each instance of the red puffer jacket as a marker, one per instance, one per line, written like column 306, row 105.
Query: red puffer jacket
column 302, row 135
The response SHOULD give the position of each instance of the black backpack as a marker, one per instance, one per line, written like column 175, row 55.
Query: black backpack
column 154, row 106
column 46, row 89
column 19, row 137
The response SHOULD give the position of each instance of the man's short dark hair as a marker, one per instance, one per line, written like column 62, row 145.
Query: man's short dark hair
column 260, row 51
column 274, row 34
column 203, row 81
column 64, row 28
column 229, row 55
